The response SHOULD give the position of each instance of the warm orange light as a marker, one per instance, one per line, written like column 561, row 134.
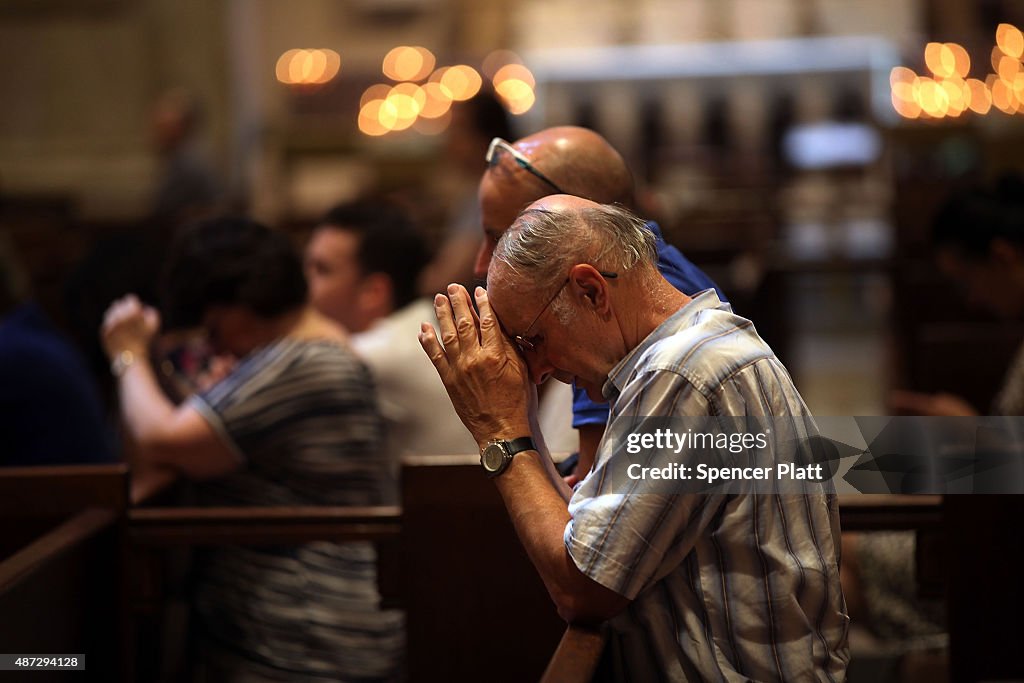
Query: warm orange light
column 437, row 103
column 408, row 63
column 408, row 100
column 517, row 95
column 376, row 117
column 961, row 60
column 997, row 56
column 1010, row 40
column 522, row 104
column 1008, row 69
column 908, row 109
column 516, row 72
column 378, row 91
column 958, row 95
column 1002, row 97
column 307, row 67
column 932, row 98
column 460, row 82
column 901, row 74
column 497, row 59
column 903, row 91
column 283, row 64
column 940, row 60
column 981, row 98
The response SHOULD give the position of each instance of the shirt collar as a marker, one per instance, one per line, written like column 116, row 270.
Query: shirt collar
column 680, row 320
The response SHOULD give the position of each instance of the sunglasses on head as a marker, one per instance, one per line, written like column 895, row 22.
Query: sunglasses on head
column 493, row 158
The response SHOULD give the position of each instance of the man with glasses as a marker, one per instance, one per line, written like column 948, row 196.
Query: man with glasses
column 576, row 161
column 694, row 585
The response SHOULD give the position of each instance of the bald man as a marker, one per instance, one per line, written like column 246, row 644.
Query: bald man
column 576, row 161
column 694, row 585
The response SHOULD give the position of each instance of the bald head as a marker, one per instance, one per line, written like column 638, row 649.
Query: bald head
column 579, row 161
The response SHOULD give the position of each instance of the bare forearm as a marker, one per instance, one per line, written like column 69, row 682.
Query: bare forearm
column 540, row 514
column 145, row 409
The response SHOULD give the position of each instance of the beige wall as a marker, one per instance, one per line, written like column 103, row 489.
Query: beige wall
column 76, row 89
column 76, row 86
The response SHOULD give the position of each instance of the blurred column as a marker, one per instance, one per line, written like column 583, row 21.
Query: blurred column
column 618, row 116
column 247, row 165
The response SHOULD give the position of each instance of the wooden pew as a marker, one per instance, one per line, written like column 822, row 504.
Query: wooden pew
column 475, row 605
column 59, row 578
column 577, row 657
column 888, row 512
column 476, row 608
column 160, row 539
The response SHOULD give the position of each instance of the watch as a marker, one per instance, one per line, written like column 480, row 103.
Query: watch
column 497, row 455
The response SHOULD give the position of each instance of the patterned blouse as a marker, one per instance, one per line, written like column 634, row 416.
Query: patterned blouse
column 301, row 416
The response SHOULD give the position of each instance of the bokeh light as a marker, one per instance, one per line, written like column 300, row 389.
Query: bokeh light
column 408, row 100
column 438, row 101
column 1010, row 40
column 962, row 60
column 379, row 91
column 907, row 108
column 515, row 72
column 307, row 67
column 932, row 97
column 940, row 60
column 377, row 117
column 981, row 97
column 901, row 74
column 952, row 92
column 958, row 95
column 460, row 82
column 408, row 63
column 497, row 59
column 1002, row 95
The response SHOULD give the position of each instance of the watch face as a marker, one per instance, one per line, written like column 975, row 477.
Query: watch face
column 493, row 457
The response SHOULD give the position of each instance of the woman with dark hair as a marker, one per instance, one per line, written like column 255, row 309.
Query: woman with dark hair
column 294, row 423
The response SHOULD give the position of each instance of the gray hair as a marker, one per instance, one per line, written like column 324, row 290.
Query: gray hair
column 543, row 244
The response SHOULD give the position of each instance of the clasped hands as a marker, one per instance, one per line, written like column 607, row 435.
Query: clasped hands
column 129, row 325
column 486, row 378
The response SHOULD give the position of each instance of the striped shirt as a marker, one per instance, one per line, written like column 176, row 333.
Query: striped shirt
column 301, row 416
column 724, row 587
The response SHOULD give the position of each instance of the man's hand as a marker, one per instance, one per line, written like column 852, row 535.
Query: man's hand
column 129, row 325
column 486, row 379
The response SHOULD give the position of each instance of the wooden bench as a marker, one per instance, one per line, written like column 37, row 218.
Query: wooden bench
column 475, row 605
column 59, row 576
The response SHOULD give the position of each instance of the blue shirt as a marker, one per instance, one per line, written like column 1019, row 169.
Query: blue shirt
column 50, row 409
column 684, row 276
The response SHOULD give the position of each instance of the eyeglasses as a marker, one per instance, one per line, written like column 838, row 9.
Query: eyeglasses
column 528, row 344
column 493, row 158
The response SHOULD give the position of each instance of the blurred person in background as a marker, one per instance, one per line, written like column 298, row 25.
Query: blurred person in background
column 187, row 186
column 50, row 407
column 363, row 263
column 474, row 124
column 978, row 237
column 294, row 423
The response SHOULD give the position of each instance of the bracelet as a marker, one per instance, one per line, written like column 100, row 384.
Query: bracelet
column 121, row 362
